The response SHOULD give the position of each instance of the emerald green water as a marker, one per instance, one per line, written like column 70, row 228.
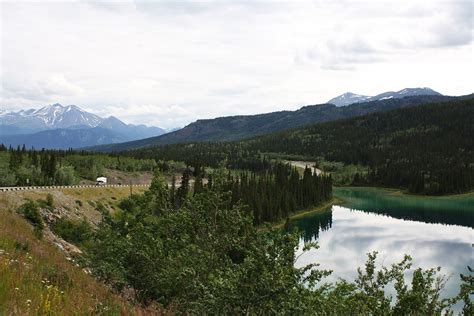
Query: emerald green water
column 456, row 210
column 435, row 231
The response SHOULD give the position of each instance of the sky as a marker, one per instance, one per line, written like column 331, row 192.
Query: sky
column 169, row 63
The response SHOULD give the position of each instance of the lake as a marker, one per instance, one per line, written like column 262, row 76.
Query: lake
column 435, row 231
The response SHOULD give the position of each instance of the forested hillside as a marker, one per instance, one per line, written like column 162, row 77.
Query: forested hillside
column 232, row 128
column 427, row 149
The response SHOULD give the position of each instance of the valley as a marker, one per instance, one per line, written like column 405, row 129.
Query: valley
column 279, row 158
column 229, row 217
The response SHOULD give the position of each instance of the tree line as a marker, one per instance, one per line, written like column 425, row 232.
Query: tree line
column 22, row 166
column 425, row 149
column 270, row 196
column 428, row 149
column 204, row 255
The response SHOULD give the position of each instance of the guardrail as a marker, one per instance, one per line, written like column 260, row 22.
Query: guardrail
column 5, row 189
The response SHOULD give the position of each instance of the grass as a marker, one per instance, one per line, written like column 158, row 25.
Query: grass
column 36, row 278
column 396, row 197
column 77, row 203
column 405, row 193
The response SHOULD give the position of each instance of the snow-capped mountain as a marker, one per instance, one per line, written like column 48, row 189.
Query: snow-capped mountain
column 50, row 117
column 58, row 116
column 350, row 98
column 56, row 119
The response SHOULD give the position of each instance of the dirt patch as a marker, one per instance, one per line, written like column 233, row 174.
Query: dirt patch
column 123, row 177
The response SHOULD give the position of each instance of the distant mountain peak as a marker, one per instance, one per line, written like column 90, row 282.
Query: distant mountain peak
column 112, row 118
column 54, row 119
column 350, row 98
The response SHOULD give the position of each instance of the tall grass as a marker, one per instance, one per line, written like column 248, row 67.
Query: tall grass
column 37, row 279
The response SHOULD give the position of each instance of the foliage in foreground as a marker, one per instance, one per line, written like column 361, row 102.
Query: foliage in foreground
column 30, row 211
column 74, row 231
column 207, row 257
column 36, row 278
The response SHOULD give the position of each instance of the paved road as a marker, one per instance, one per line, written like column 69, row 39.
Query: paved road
column 4, row 189
column 300, row 164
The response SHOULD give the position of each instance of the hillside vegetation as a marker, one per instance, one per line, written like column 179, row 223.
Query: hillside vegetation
column 37, row 279
column 426, row 149
column 195, row 250
column 204, row 255
column 22, row 167
column 231, row 128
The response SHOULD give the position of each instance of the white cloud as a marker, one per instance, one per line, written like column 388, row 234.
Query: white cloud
column 171, row 62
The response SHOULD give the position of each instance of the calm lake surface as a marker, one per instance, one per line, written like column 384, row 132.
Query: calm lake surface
column 435, row 231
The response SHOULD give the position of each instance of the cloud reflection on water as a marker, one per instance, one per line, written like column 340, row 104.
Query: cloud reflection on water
column 352, row 234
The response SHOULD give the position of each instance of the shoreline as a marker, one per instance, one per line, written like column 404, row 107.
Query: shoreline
column 402, row 192
column 338, row 200
column 307, row 212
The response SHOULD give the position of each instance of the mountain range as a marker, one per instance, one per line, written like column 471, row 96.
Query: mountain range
column 58, row 126
column 245, row 126
column 351, row 98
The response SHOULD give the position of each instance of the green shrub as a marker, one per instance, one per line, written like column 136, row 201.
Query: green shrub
column 101, row 208
column 79, row 202
column 30, row 212
column 50, row 200
column 47, row 203
column 20, row 246
column 76, row 232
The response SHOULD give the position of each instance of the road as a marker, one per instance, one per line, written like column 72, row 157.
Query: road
column 4, row 189
column 299, row 164
column 304, row 164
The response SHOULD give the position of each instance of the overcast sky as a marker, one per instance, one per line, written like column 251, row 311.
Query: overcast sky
column 168, row 63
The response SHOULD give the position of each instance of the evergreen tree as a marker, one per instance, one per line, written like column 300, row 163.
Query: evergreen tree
column 183, row 190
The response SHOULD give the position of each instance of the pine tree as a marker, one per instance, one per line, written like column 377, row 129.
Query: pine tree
column 183, row 189
column 173, row 192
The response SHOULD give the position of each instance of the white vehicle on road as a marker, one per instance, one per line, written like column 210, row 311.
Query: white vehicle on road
column 101, row 181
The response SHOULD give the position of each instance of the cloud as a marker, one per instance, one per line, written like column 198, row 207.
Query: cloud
column 342, row 54
column 23, row 91
column 57, row 85
column 391, row 29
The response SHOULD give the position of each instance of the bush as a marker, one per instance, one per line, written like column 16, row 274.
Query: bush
column 211, row 259
column 101, row 208
column 49, row 200
column 48, row 203
column 66, row 176
column 20, row 246
column 76, row 232
column 30, row 212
